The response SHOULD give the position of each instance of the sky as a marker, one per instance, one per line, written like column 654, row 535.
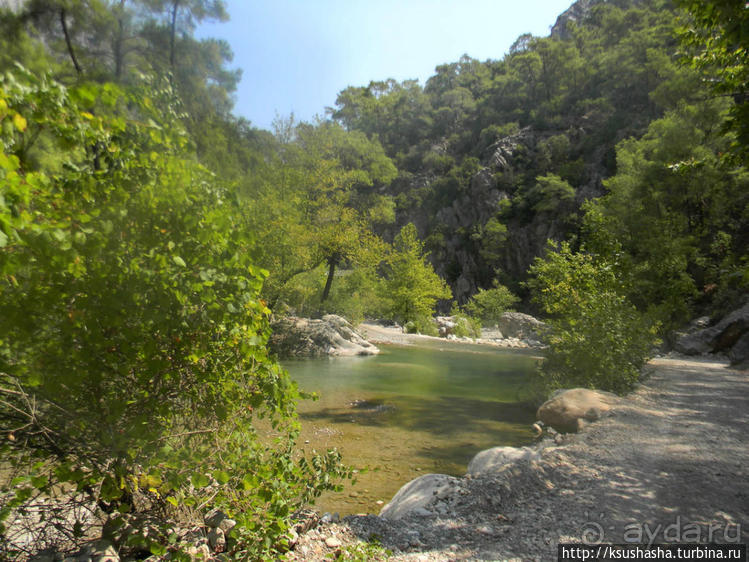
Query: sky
column 296, row 55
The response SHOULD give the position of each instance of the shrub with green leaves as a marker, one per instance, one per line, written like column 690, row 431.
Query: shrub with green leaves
column 598, row 338
column 489, row 304
column 133, row 363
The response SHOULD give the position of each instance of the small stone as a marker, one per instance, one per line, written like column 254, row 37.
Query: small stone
column 332, row 542
column 214, row 517
column 380, row 502
column 217, row 540
column 227, row 525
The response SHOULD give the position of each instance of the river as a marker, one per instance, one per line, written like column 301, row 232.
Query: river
column 411, row 410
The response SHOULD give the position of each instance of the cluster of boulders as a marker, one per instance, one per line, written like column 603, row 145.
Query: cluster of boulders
column 329, row 335
column 730, row 335
column 513, row 330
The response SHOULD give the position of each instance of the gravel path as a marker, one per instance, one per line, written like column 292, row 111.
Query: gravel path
column 669, row 465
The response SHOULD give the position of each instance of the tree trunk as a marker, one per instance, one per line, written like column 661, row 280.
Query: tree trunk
column 65, row 32
column 332, row 262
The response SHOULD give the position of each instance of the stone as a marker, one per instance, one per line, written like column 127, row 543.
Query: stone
column 102, row 551
column 332, row 542
column 227, row 525
column 739, row 354
column 522, row 326
column 217, row 540
column 305, row 337
column 569, row 410
column 492, row 460
column 415, row 496
column 214, row 518
column 721, row 337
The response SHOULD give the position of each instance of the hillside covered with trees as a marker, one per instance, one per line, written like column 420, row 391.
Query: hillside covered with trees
column 596, row 176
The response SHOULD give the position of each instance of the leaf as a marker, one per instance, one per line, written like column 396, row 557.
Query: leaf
column 20, row 122
column 221, row 476
column 199, row 480
column 179, row 261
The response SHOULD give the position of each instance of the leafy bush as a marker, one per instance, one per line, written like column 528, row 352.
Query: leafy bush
column 598, row 339
column 489, row 304
column 133, row 366
column 466, row 326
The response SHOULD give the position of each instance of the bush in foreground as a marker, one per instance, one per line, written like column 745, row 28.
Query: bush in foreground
column 134, row 375
column 598, row 339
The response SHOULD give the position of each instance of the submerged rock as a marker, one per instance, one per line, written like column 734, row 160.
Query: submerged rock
column 304, row 337
column 569, row 410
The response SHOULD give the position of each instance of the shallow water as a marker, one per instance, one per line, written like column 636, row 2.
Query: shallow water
column 411, row 411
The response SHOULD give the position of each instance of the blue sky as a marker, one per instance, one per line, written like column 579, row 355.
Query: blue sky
column 296, row 55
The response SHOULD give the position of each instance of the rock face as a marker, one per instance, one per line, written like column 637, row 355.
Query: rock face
column 415, row 497
column 304, row 337
column 522, row 326
column 569, row 410
column 730, row 335
column 491, row 460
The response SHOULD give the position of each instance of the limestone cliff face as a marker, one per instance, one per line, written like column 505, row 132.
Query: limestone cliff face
column 575, row 13
column 580, row 10
column 454, row 225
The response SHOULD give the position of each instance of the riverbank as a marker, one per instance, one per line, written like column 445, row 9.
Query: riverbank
column 671, row 463
column 379, row 334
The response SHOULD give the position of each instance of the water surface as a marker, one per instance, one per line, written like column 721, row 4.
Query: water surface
column 412, row 410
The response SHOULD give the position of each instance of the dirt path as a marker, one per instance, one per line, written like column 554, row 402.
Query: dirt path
column 670, row 465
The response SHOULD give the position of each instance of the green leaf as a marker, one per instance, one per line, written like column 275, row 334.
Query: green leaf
column 199, row 480
column 179, row 261
column 221, row 476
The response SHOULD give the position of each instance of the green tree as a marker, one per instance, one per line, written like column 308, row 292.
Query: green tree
column 412, row 286
column 715, row 35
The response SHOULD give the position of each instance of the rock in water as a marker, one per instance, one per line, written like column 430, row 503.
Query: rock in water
column 569, row 410
column 304, row 337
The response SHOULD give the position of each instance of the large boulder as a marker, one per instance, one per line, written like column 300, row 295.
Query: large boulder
column 492, row 460
column 729, row 335
column 522, row 326
column 569, row 410
column 305, row 337
column 415, row 497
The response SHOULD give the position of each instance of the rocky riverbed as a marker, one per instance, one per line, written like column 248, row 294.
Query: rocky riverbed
column 668, row 463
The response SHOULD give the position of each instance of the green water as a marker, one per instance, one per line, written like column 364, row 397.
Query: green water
column 412, row 410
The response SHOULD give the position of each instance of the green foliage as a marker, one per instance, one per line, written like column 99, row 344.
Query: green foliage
column 675, row 210
column 598, row 338
column 466, row 326
column 715, row 36
column 412, row 287
column 489, row 304
column 133, row 361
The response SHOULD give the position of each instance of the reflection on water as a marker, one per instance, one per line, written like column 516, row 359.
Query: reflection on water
column 410, row 411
